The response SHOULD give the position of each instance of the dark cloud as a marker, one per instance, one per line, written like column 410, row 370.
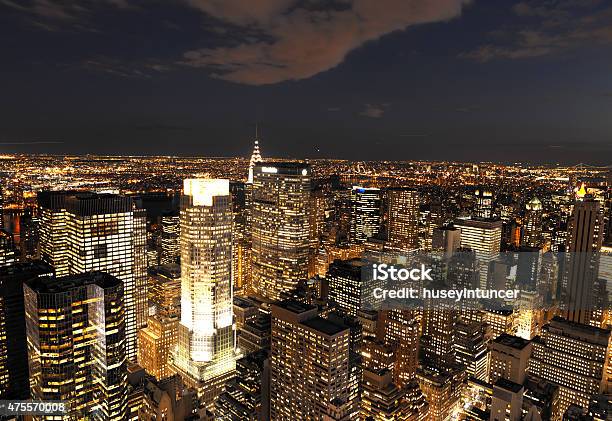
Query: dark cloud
column 549, row 27
column 299, row 42
column 60, row 10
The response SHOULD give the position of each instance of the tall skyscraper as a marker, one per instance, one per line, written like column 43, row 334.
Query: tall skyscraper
column 76, row 344
column 255, row 157
column 438, row 335
column 280, row 227
column 403, row 218
column 365, row 213
column 471, row 349
column 532, row 228
column 584, row 244
column 484, row 238
column 310, row 366
column 401, row 332
column 14, row 379
column 205, row 354
column 351, row 285
column 99, row 232
column 575, row 357
column 170, row 238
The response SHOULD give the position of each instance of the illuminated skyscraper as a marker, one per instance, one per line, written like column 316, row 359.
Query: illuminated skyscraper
column 483, row 208
column 76, row 344
column 255, row 157
column 170, row 238
column 438, row 336
column 155, row 344
column 241, row 240
column 403, row 218
column 280, row 227
column 310, row 366
column 365, row 213
column 471, row 349
column 382, row 400
column 532, row 228
column 205, row 353
column 8, row 255
column 575, row 357
column 90, row 232
column 484, row 238
column 584, row 244
column 509, row 358
column 164, row 289
column 401, row 332
column 351, row 285
column 14, row 380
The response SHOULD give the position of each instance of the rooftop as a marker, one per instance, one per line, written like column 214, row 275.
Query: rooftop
column 511, row 341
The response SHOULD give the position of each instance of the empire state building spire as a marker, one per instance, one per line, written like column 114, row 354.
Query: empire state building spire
column 256, row 156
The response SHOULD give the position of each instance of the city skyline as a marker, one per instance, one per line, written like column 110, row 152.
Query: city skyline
column 446, row 79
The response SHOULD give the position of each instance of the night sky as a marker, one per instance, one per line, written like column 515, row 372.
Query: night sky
column 358, row 79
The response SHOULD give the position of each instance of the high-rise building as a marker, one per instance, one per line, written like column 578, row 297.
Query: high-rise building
column 382, row 400
column 8, row 254
column 170, row 238
column 76, row 344
column 255, row 334
column 584, row 243
column 401, row 332
column 89, row 232
column 366, row 215
column 484, row 238
column 509, row 358
column 14, row 379
column 575, row 357
column 205, row 353
column 156, row 343
column 247, row 396
column 164, row 290
column 310, row 371
column 442, row 390
column 167, row 399
column 507, row 401
column 471, row 349
column 403, row 218
column 351, row 285
column 255, row 157
column 438, row 335
column 279, row 226
column 29, row 237
column 483, row 207
column 446, row 239
column 241, row 240
column 532, row 228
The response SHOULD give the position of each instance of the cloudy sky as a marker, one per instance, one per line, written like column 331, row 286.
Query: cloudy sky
column 358, row 79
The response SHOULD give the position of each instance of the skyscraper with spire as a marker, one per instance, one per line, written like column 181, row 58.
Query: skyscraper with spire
column 255, row 156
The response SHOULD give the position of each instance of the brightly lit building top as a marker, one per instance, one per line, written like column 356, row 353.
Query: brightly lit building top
column 255, row 156
column 202, row 190
column 534, row 204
